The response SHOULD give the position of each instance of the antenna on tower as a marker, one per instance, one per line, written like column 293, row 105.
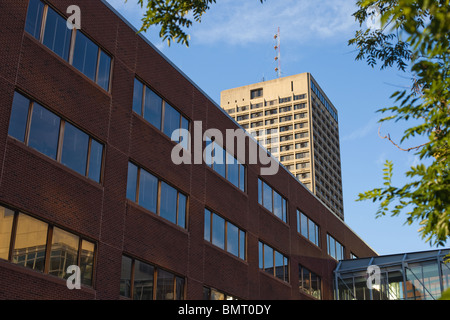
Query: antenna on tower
column 278, row 50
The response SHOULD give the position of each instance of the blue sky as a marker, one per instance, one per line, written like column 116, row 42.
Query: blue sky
column 234, row 46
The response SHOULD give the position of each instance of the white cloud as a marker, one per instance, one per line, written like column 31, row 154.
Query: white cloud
column 240, row 22
column 371, row 127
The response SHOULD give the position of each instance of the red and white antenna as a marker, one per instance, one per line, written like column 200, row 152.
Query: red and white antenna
column 278, row 50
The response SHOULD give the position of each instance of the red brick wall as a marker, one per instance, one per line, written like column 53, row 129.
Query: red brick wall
column 48, row 190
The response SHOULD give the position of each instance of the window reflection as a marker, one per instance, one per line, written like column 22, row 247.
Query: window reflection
column 64, row 252
column 6, row 224
column 148, row 282
column 30, row 243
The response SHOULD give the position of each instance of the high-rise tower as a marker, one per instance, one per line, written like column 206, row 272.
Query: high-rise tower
column 294, row 119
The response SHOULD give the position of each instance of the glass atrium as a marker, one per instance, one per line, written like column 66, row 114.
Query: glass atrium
column 406, row 276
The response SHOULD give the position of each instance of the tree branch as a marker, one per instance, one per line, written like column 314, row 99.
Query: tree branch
column 409, row 149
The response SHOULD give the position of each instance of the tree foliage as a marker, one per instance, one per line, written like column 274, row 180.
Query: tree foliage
column 174, row 17
column 414, row 37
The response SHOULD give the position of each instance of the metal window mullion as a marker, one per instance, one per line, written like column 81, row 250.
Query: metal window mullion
column 48, row 248
column 13, row 235
column 72, row 46
column 158, row 198
column 88, row 160
column 28, row 126
column 43, row 23
column 62, row 125
column 138, row 180
column 133, row 262
column 98, row 64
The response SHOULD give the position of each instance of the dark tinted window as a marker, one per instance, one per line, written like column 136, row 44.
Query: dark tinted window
column 95, row 161
column 34, row 18
column 85, row 56
column 57, row 36
column 152, row 108
column 75, row 149
column 44, row 131
column 19, row 116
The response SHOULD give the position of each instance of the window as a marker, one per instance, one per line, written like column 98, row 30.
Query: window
column 225, row 164
column 57, row 36
column 78, row 151
column 143, row 281
column 299, row 97
column 34, row 18
column 43, row 247
column 335, row 248
column 158, row 112
column 50, row 28
column 307, row 228
column 272, row 200
column 256, row 93
column 213, row 294
column 283, row 100
column 301, row 155
column 156, row 196
column 44, row 131
column 224, row 234
column 91, row 60
column 309, row 282
column 273, row 262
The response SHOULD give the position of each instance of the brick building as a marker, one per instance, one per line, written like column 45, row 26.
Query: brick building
column 87, row 179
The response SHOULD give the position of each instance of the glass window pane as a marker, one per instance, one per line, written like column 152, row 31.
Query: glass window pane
column 260, row 192
column 268, row 259
column 95, row 160
column 19, row 117
column 64, row 252
column 6, row 222
column 277, row 205
column 232, row 170
column 179, row 294
column 312, row 231
column 208, row 153
column 75, row 149
column 57, row 36
column 30, row 243
column 216, row 295
column 219, row 160
column 284, row 218
column 137, row 96
column 279, row 265
column 148, row 191
column 286, row 269
column 125, row 277
column 168, row 208
column 143, row 281
column 44, row 131
column 132, row 181
column 185, row 139
column 182, row 203
column 242, row 244
column 207, row 233
column 242, row 177
column 85, row 56
column 261, row 255
column 87, row 262
column 232, row 239
column 104, row 70
column 153, row 108
column 165, row 286
column 34, row 18
column 171, row 121
column 267, row 197
column 218, row 231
